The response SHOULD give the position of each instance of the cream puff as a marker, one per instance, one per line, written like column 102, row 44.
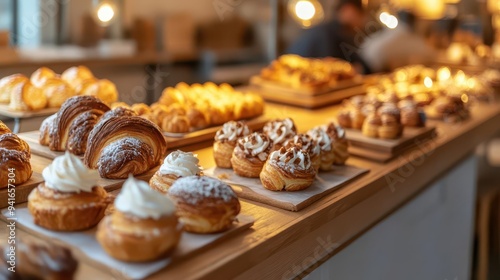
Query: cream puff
column 204, row 204
column 250, row 154
column 225, row 142
column 143, row 226
column 340, row 143
column 279, row 131
column 308, row 144
column 326, row 145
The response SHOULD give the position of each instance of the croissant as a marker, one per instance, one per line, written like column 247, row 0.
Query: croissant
column 41, row 75
column 4, row 129
column 57, row 91
column 7, row 85
column 27, row 97
column 71, row 126
column 123, row 143
column 15, row 158
column 103, row 89
column 76, row 75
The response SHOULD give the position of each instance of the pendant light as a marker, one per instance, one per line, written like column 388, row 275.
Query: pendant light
column 306, row 12
column 105, row 11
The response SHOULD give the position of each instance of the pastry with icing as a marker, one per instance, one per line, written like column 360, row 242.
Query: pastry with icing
column 325, row 143
column 225, row 142
column 340, row 144
column 279, row 131
column 307, row 143
column 250, row 154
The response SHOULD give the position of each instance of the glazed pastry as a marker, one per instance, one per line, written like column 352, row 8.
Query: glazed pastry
column 340, row 143
column 410, row 114
column 326, row 145
column 122, row 143
column 14, row 154
column 27, row 97
column 288, row 170
column 175, row 123
column 69, row 199
column 41, row 75
column 9, row 84
column 103, row 89
column 70, row 128
column 204, row 204
column 76, row 75
column 371, row 125
column 306, row 143
column 57, row 91
column 176, row 165
column 140, row 109
column 279, row 131
column 225, row 142
column 143, row 227
column 35, row 260
column 250, row 154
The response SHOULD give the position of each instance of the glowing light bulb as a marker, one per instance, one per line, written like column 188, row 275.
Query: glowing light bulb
column 392, row 22
column 428, row 82
column 105, row 13
column 305, row 10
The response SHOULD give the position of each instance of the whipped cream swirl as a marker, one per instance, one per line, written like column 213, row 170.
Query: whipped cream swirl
column 321, row 137
column 139, row 199
column 181, row 164
column 304, row 142
column 68, row 174
column 280, row 130
column 255, row 145
column 291, row 159
column 231, row 131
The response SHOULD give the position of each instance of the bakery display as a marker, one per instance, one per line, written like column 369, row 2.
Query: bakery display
column 143, row 227
column 299, row 72
column 288, row 170
column 225, row 141
column 15, row 158
column 279, row 131
column 307, row 143
column 176, row 165
column 204, row 204
column 35, row 260
column 70, row 127
column 250, row 154
column 57, row 91
column 122, row 143
column 69, row 199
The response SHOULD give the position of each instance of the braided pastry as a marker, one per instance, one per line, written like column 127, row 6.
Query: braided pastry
column 70, row 128
column 15, row 156
column 123, row 143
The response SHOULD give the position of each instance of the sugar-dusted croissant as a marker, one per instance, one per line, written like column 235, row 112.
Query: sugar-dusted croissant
column 14, row 159
column 71, row 126
column 123, row 143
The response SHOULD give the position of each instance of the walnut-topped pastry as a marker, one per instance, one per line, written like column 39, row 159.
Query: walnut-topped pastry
column 288, row 170
column 250, row 154
column 279, row 131
column 225, row 141
column 307, row 143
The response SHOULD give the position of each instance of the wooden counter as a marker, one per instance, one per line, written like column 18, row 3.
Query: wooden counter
column 285, row 244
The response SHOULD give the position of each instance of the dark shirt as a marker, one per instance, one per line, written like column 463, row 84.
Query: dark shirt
column 329, row 39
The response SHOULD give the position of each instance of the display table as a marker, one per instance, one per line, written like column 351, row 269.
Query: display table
column 284, row 244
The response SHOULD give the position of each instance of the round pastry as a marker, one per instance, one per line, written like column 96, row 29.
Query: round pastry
column 410, row 114
column 143, row 227
column 344, row 118
column 176, row 165
column 103, row 89
column 279, row 131
column 288, row 170
column 57, row 91
column 69, row 199
column 35, row 260
column 250, row 154
column 175, row 123
column 196, row 118
column 340, row 143
column 308, row 144
column 76, row 75
column 141, row 109
column 8, row 84
column 225, row 142
column 371, row 125
column 27, row 97
column 41, row 75
column 204, row 204
column 325, row 143
column 15, row 158
column 390, row 109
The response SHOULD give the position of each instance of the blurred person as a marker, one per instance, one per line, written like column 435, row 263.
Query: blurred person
column 338, row 38
column 393, row 48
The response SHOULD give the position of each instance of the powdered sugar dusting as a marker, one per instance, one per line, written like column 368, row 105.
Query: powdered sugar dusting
column 194, row 189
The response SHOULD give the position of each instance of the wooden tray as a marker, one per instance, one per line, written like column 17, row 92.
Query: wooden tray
column 383, row 150
column 272, row 86
column 85, row 246
column 252, row 189
column 290, row 97
column 5, row 111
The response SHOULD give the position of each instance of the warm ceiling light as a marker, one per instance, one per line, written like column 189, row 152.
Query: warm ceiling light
column 105, row 12
column 493, row 6
column 306, row 12
column 428, row 82
column 388, row 20
column 430, row 9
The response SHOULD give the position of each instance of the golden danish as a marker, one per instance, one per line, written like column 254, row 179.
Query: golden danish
column 204, row 204
column 27, row 97
column 57, row 91
column 9, row 84
column 288, row 170
column 41, row 75
column 250, row 154
column 143, row 227
column 225, row 142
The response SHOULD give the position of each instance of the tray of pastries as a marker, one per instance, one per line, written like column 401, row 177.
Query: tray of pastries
column 279, row 166
column 382, row 130
column 45, row 91
column 191, row 114
column 137, row 230
column 307, row 82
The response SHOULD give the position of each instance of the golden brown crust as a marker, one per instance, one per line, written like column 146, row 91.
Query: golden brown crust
column 162, row 182
column 130, row 239
column 175, row 123
column 246, row 167
column 9, row 84
column 27, row 97
column 140, row 108
column 45, row 128
column 57, row 91
column 4, row 129
column 41, row 75
column 275, row 178
column 122, row 144
column 67, row 211
column 223, row 152
column 76, row 75
column 103, row 89
column 14, row 159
